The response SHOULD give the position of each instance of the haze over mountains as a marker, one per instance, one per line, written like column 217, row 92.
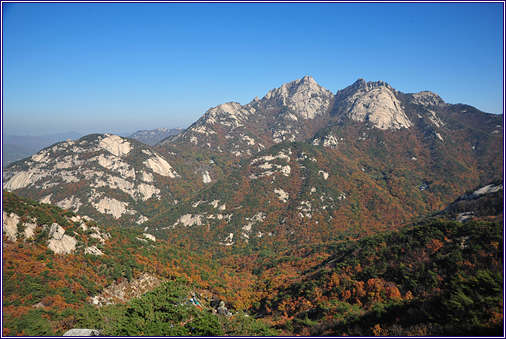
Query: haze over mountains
column 17, row 147
column 367, row 157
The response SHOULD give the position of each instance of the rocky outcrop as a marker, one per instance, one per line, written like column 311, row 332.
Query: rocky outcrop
column 9, row 225
column 116, row 145
column 190, row 220
column 59, row 242
column 160, row 166
column 299, row 110
column 93, row 250
column 149, row 236
column 484, row 201
column 304, row 97
column 82, row 332
column 112, row 206
column 374, row 102
column 123, row 291
column 428, row 98
column 488, row 189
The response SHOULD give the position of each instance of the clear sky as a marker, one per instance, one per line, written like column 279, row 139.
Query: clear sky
column 123, row 67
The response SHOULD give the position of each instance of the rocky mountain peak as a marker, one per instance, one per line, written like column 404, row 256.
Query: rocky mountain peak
column 303, row 96
column 362, row 85
column 375, row 102
column 428, row 98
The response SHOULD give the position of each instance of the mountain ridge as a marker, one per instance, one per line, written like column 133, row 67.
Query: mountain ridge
column 390, row 142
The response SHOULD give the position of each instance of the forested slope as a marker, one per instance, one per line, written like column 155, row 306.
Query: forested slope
column 436, row 277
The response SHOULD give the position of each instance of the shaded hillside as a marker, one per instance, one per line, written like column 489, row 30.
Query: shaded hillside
column 438, row 278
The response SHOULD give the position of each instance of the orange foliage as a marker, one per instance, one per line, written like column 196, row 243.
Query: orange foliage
column 16, row 311
column 434, row 245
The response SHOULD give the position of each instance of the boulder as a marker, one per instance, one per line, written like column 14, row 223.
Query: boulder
column 82, row 332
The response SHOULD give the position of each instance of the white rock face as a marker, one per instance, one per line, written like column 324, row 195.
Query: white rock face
column 329, row 141
column 142, row 219
column 147, row 177
column 22, row 179
column 486, row 190
column 283, row 196
column 69, row 162
column 271, row 168
column 260, row 216
column 9, row 225
column 206, row 178
column 428, row 98
column 141, row 191
column 30, row 230
column 112, row 206
column 379, row 106
column 82, row 332
column 116, row 164
column 228, row 114
column 146, row 191
column 68, row 203
column 149, row 236
column 303, row 96
column 228, row 240
column 280, row 155
column 325, row 174
column 116, row 145
column 93, row 250
column 46, row 199
column 435, row 119
column 160, row 166
column 98, row 234
column 59, row 242
column 189, row 220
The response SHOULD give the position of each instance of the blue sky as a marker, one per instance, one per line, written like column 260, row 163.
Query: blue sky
column 123, row 67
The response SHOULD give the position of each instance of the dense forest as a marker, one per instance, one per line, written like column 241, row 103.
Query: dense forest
column 434, row 277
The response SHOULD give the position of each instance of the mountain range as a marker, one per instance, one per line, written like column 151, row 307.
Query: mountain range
column 300, row 164
column 154, row 136
column 368, row 212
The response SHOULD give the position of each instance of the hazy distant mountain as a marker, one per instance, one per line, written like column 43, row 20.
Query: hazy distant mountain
column 11, row 153
column 16, row 147
column 39, row 142
column 154, row 136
